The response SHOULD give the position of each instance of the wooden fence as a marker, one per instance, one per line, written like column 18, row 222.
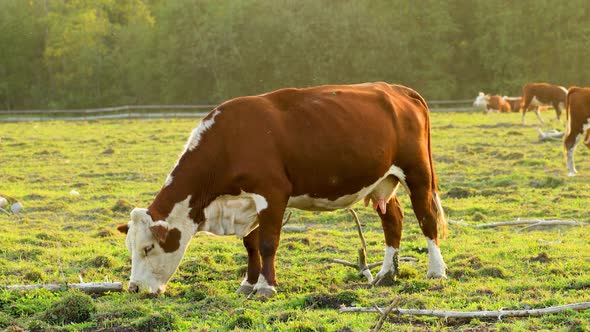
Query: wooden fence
column 168, row 111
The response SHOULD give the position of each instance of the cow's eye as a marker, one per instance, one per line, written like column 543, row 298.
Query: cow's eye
column 147, row 249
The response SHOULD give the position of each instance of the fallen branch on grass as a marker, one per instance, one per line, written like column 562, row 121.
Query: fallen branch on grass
column 86, row 287
column 532, row 223
column 384, row 314
column 475, row 314
column 551, row 135
column 362, row 267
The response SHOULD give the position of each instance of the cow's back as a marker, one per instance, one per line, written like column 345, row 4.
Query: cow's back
column 578, row 103
column 544, row 92
column 327, row 139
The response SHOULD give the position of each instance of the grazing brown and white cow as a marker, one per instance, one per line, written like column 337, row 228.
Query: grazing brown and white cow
column 491, row 103
column 319, row 148
column 543, row 94
column 578, row 123
column 514, row 102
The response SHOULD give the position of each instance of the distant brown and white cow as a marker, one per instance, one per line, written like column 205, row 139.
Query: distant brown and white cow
column 491, row 103
column 543, row 94
column 578, row 123
column 516, row 105
column 319, row 148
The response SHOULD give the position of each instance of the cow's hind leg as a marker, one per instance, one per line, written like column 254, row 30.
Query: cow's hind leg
column 557, row 108
column 254, row 264
column 391, row 221
column 570, row 141
column 270, row 209
column 430, row 215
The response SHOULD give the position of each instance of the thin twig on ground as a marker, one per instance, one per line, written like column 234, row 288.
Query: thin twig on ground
column 477, row 314
column 384, row 314
column 531, row 223
column 87, row 287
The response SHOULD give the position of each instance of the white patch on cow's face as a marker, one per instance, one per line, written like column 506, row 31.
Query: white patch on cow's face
column 436, row 265
column 305, row 202
column 151, row 266
column 228, row 215
column 197, row 133
column 390, row 253
column 480, row 101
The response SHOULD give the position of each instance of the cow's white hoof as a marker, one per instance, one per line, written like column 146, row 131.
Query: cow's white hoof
column 245, row 289
column 571, row 174
column 263, row 293
column 436, row 274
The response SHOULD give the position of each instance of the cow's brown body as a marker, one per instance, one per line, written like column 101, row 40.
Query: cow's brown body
column 578, row 116
column 543, row 94
column 496, row 102
column 315, row 149
column 515, row 103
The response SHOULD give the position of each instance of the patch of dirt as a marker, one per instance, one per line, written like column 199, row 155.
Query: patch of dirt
column 460, row 192
column 122, row 205
column 541, row 258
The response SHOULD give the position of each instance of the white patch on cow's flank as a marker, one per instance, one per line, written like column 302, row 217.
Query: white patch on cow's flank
column 306, row 202
column 228, row 215
column 563, row 89
column 197, row 133
column 436, row 264
column 259, row 200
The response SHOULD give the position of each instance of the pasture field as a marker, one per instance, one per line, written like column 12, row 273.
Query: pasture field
column 489, row 168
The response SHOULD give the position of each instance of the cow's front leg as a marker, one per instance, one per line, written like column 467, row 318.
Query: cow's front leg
column 391, row 221
column 268, row 241
column 254, row 265
column 429, row 212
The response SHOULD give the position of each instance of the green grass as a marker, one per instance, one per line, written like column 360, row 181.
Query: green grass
column 489, row 167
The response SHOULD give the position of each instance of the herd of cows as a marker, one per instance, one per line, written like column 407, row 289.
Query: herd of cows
column 319, row 148
column 575, row 101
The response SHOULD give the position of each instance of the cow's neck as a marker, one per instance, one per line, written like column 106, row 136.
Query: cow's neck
column 193, row 176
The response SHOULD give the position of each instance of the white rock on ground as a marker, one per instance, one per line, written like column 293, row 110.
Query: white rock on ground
column 16, row 207
column 3, row 202
column 74, row 193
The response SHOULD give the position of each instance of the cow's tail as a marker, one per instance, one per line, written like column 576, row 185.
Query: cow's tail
column 437, row 209
column 568, row 126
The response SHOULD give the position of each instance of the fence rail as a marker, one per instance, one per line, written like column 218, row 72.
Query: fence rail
column 147, row 112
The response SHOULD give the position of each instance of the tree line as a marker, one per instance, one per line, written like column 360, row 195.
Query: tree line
column 74, row 53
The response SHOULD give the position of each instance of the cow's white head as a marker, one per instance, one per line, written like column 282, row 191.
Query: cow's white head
column 156, row 248
column 481, row 100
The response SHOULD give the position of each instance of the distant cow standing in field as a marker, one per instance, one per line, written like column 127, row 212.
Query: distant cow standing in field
column 516, row 104
column 490, row 103
column 539, row 94
column 578, row 123
column 319, row 148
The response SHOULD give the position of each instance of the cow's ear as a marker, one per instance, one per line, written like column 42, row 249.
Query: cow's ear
column 160, row 231
column 123, row 228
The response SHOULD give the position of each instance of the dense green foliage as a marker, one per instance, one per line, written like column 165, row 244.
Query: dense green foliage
column 58, row 53
column 490, row 168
